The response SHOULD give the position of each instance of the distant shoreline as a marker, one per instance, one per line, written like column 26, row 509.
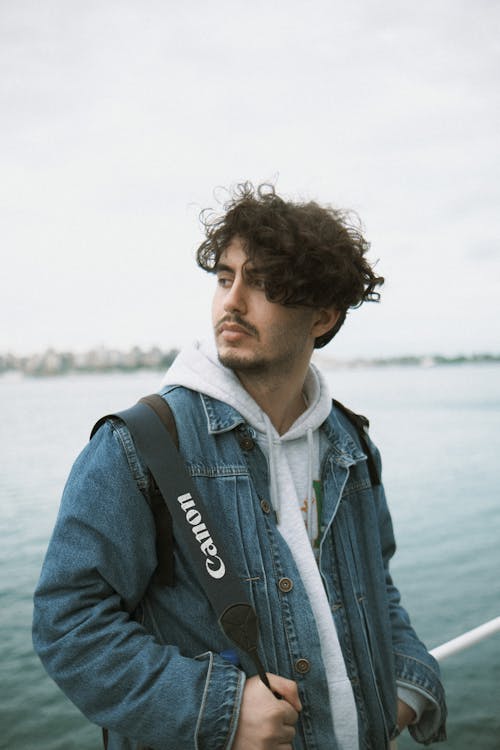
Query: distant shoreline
column 102, row 360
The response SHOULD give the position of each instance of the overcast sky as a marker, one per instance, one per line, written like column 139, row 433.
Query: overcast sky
column 119, row 120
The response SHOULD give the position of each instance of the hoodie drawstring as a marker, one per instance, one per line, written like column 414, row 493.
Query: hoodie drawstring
column 275, row 495
column 310, row 493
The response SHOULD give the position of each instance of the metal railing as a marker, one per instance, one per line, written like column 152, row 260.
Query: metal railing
column 471, row 637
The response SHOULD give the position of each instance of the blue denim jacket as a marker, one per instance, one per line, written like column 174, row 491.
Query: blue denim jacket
column 144, row 660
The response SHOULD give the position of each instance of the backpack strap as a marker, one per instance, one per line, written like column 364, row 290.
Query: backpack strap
column 361, row 424
column 164, row 574
column 163, row 410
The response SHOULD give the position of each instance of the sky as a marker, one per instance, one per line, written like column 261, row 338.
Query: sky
column 121, row 120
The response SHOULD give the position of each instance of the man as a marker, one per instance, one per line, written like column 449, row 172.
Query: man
column 301, row 512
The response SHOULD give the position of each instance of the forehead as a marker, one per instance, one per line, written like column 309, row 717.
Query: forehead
column 234, row 256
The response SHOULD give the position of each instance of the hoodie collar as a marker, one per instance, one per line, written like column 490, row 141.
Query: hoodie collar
column 227, row 404
column 199, row 369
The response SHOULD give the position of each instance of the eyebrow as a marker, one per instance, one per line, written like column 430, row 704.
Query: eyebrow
column 222, row 267
column 247, row 268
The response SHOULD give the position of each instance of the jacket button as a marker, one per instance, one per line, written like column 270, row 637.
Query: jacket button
column 247, row 443
column 265, row 506
column 285, row 585
column 302, row 666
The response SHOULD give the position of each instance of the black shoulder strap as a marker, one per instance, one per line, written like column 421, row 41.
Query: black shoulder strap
column 194, row 528
column 164, row 574
column 361, row 424
column 164, row 412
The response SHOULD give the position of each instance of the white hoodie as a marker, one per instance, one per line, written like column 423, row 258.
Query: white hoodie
column 294, row 461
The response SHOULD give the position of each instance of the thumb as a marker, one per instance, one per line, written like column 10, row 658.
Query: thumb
column 286, row 688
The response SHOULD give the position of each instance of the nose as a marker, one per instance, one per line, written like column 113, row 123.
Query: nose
column 235, row 298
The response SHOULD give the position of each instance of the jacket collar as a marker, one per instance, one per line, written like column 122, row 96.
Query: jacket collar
column 222, row 418
column 346, row 451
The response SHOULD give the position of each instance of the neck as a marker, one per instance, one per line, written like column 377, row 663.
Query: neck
column 280, row 397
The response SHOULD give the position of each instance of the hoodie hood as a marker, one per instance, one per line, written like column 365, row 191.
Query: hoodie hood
column 198, row 368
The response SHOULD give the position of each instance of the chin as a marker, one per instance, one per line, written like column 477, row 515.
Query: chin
column 237, row 361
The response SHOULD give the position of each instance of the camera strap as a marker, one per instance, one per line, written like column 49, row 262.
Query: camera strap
column 149, row 423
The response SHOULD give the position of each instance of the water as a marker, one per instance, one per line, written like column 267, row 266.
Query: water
column 439, row 432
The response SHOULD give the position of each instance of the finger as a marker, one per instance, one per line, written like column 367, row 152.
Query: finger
column 289, row 715
column 287, row 689
column 287, row 734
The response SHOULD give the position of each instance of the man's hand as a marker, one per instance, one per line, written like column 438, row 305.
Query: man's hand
column 406, row 715
column 265, row 722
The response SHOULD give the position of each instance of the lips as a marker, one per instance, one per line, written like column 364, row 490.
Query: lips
column 233, row 328
column 232, row 334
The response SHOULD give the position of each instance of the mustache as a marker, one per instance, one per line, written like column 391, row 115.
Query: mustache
column 237, row 320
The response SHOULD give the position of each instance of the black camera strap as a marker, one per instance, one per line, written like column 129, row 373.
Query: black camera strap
column 194, row 528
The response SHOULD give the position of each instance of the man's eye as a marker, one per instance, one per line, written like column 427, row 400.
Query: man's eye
column 259, row 284
column 223, row 281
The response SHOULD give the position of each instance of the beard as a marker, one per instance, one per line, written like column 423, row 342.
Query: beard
column 238, row 363
column 260, row 364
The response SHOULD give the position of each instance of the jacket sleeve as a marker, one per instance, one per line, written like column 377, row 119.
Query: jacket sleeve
column 98, row 565
column 416, row 669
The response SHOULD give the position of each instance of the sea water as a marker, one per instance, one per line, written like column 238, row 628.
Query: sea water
column 439, row 432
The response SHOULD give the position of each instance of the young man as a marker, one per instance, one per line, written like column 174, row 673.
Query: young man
column 301, row 512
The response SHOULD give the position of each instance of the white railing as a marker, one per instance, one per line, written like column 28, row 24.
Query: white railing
column 466, row 640
column 460, row 643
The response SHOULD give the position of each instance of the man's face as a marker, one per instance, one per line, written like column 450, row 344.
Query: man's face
column 252, row 334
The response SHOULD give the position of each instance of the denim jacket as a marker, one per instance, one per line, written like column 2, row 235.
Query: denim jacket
column 145, row 661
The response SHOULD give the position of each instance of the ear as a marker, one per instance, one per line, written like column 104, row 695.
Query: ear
column 324, row 320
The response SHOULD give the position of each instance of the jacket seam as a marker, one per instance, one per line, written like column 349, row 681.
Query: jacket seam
column 407, row 657
column 203, row 701
column 131, row 455
column 234, row 716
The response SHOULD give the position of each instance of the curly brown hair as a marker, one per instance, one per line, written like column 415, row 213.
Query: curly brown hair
column 308, row 255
